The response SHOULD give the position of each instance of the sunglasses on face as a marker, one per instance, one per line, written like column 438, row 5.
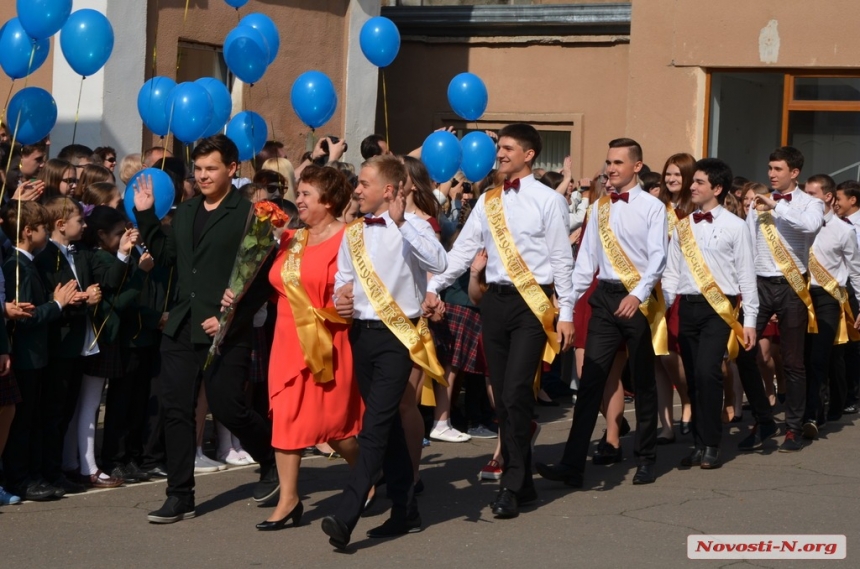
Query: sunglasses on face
column 111, row 159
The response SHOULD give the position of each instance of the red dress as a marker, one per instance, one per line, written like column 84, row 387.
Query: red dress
column 304, row 412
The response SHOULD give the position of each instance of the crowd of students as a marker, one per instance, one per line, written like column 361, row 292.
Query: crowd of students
column 689, row 281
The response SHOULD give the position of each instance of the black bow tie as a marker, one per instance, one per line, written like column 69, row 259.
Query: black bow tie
column 72, row 250
column 374, row 221
column 707, row 216
column 512, row 185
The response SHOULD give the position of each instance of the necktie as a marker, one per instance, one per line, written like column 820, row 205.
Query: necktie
column 776, row 197
column 512, row 185
column 846, row 220
column 707, row 216
column 615, row 196
column 374, row 221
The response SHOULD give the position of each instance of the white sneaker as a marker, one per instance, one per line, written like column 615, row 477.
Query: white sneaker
column 247, row 457
column 203, row 466
column 449, row 435
column 233, row 458
column 208, row 462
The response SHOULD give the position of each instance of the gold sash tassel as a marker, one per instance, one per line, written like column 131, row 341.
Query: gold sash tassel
column 654, row 307
column 522, row 277
column 829, row 283
column 787, row 266
column 709, row 287
column 416, row 338
column 314, row 336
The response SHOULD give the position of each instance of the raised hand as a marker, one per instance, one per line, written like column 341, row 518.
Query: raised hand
column 397, row 206
column 143, row 196
column 128, row 240
column 146, row 262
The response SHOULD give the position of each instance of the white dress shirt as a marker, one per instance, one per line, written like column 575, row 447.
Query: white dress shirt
column 836, row 249
column 797, row 222
column 401, row 258
column 726, row 247
column 91, row 347
column 854, row 218
column 537, row 218
column 641, row 228
column 578, row 207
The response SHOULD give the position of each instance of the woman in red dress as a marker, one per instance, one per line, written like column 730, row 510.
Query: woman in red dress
column 324, row 405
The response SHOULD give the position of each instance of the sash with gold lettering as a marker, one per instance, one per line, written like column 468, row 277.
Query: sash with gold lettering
column 787, row 266
column 709, row 287
column 654, row 307
column 672, row 216
column 314, row 335
column 417, row 339
column 831, row 285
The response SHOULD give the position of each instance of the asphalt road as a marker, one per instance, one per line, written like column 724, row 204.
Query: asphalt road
column 610, row 523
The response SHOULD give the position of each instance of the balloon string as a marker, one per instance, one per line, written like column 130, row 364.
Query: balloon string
column 185, row 17
column 155, row 40
column 78, row 110
column 6, row 104
column 11, row 153
column 385, row 108
column 163, row 139
column 272, row 121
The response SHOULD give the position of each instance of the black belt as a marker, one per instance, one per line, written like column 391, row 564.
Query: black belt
column 511, row 289
column 701, row 298
column 776, row 280
column 375, row 324
column 612, row 286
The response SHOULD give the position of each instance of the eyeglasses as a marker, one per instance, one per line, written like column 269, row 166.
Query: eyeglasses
column 70, row 181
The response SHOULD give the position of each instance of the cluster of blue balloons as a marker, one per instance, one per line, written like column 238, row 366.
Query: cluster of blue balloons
column 443, row 155
column 190, row 110
column 251, row 46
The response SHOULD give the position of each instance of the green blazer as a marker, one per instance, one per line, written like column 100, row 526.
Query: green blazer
column 139, row 321
column 204, row 271
column 29, row 336
column 114, row 299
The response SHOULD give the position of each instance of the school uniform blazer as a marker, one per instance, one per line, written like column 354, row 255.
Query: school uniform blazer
column 29, row 336
column 204, row 271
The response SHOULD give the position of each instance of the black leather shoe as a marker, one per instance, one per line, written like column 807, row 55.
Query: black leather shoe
column 711, row 458
column 759, row 434
column 122, row 473
column 157, row 471
column 527, row 496
column 505, row 506
column 295, row 515
column 173, row 510
column 68, row 486
column 695, row 458
column 810, row 429
column 560, row 473
column 394, row 528
column 644, row 474
column 36, row 492
column 337, row 532
column 686, row 427
column 607, row 454
column 268, row 486
column 133, row 469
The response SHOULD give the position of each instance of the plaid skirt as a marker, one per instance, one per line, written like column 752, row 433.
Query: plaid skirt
column 107, row 363
column 458, row 339
column 9, row 392
column 259, row 356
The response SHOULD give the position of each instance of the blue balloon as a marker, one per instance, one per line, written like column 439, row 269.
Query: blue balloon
column 467, row 95
column 248, row 130
column 152, row 104
column 236, row 3
column 379, row 41
column 16, row 49
column 246, row 53
column 479, row 155
column 264, row 24
column 162, row 190
column 313, row 98
column 441, row 153
column 43, row 18
column 87, row 41
column 222, row 104
column 190, row 110
column 31, row 115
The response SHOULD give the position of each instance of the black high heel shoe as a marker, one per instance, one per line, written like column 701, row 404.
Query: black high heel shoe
column 295, row 515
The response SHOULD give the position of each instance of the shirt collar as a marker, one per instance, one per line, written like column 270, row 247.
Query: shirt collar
column 634, row 192
column 25, row 253
column 828, row 216
column 63, row 248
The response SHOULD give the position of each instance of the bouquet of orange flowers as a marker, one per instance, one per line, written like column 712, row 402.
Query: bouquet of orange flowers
column 258, row 242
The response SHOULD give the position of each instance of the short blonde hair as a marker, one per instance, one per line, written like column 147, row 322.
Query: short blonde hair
column 129, row 166
column 285, row 168
column 390, row 168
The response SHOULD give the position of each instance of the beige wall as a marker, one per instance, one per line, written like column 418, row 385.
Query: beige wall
column 41, row 78
column 313, row 36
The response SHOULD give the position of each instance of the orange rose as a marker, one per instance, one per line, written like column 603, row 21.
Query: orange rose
column 279, row 218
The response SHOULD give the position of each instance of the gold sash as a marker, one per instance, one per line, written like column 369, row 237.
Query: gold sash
column 828, row 283
column 417, row 339
column 672, row 216
column 314, row 336
column 709, row 287
column 787, row 266
column 654, row 307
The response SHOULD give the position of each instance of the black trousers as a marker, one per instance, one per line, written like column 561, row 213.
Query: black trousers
column 605, row 334
column 125, row 407
column 752, row 383
column 852, row 360
column 819, row 348
column 181, row 369
column 61, row 386
column 153, row 432
column 22, row 457
column 382, row 368
column 835, row 402
column 780, row 299
column 514, row 341
column 703, row 336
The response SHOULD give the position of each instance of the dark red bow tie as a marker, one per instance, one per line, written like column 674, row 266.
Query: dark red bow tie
column 846, row 220
column 776, row 197
column 374, row 221
column 615, row 196
column 707, row 216
column 512, row 185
